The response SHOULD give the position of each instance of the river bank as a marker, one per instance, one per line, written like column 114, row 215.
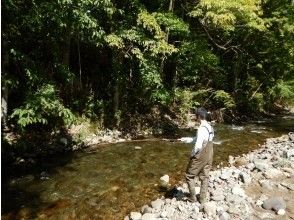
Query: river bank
column 258, row 185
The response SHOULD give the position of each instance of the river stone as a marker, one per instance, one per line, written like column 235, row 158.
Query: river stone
column 234, row 210
column 238, row 191
column 274, row 203
column 163, row 214
column 291, row 136
column 240, row 161
column 266, row 184
column 235, row 199
column 164, row 180
column 157, row 204
column 210, row 208
column 290, row 153
column 138, row 148
column 245, row 178
column 224, row 216
column 170, row 211
column 194, row 216
column 261, row 165
column 272, row 173
column 126, row 218
column 281, row 212
column 149, row 216
column 135, row 216
column 226, row 174
column 146, row 209
column 289, row 186
column 250, row 166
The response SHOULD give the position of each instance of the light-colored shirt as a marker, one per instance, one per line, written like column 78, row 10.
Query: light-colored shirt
column 204, row 133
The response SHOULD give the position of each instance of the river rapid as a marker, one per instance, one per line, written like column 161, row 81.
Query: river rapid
column 114, row 179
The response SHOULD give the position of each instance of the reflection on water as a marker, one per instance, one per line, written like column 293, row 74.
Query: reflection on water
column 119, row 178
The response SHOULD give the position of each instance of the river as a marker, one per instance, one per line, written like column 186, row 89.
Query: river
column 115, row 179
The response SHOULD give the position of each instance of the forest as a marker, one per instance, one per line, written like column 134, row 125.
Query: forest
column 117, row 63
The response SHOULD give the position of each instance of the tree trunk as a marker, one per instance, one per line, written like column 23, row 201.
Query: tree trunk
column 66, row 50
column 117, row 65
column 4, row 87
column 163, row 61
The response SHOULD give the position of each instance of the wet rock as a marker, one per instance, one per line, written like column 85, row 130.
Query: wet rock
column 164, row 180
column 224, row 216
column 275, row 203
column 149, row 216
column 135, row 216
column 138, row 148
column 210, row 208
column 157, row 204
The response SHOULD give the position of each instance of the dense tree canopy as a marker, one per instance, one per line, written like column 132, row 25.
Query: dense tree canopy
column 110, row 60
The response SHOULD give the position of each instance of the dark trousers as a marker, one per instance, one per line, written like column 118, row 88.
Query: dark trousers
column 200, row 165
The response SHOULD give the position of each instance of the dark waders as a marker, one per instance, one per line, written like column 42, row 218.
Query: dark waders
column 200, row 165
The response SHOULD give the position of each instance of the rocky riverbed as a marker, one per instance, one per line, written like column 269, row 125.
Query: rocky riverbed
column 258, row 185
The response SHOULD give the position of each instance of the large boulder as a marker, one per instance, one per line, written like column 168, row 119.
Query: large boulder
column 274, row 203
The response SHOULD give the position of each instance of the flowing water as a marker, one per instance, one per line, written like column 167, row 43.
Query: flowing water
column 115, row 179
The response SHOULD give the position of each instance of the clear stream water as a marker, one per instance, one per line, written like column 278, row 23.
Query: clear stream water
column 115, row 179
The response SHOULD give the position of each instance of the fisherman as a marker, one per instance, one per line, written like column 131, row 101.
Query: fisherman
column 201, row 157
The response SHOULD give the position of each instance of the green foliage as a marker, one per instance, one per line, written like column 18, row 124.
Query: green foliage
column 43, row 107
column 223, row 99
column 235, row 54
column 282, row 90
column 175, row 25
column 185, row 100
column 228, row 15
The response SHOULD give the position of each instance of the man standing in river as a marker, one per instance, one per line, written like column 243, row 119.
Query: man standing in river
column 201, row 157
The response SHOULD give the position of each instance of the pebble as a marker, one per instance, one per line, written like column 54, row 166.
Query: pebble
column 281, row 212
column 135, row 216
column 149, row 216
column 210, row 208
column 157, row 204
